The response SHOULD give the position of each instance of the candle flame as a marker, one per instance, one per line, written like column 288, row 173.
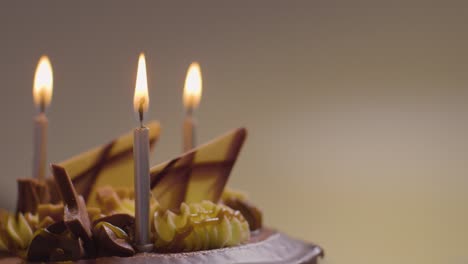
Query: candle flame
column 193, row 86
column 141, row 98
column 43, row 82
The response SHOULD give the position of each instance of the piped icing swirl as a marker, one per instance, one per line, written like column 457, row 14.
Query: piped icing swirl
column 199, row 226
column 17, row 231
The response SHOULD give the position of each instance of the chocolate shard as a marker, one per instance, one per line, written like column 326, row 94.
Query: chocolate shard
column 76, row 215
column 109, row 164
column 31, row 193
column 200, row 174
column 125, row 222
column 55, row 243
column 112, row 241
column 53, row 191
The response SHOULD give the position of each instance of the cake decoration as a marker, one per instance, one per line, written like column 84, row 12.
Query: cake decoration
column 240, row 202
column 109, row 164
column 31, row 193
column 75, row 214
column 197, row 175
column 199, row 226
column 55, row 243
column 202, row 217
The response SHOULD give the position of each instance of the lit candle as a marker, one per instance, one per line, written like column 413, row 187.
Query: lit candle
column 191, row 98
column 141, row 162
column 42, row 94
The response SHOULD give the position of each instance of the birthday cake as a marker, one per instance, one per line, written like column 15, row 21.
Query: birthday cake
column 85, row 211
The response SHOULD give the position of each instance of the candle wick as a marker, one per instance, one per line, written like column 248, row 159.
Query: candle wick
column 189, row 111
column 140, row 114
column 140, row 110
column 42, row 106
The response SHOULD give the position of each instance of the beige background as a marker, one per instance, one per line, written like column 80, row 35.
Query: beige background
column 357, row 116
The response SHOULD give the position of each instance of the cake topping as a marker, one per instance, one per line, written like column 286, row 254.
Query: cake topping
column 125, row 222
column 112, row 200
column 75, row 214
column 55, row 243
column 198, row 175
column 199, row 226
column 31, row 193
column 109, row 164
column 185, row 211
column 239, row 201
column 54, row 211
column 17, row 233
column 112, row 241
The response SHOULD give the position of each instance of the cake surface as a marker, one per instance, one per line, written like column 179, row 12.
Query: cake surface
column 266, row 246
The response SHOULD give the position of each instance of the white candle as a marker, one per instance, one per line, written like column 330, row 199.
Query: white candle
column 40, row 146
column 189, row 132
column 141, row 162
column 191, row 98
column 42, row 94
column 142, row 186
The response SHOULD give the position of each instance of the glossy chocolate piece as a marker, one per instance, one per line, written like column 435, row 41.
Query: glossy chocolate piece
column 53, row 191
column 122, row 221
column 55, row 243
column 31, row 193
column 200, row 174
column 76, row 216
column 125, row 222
column 110, row 244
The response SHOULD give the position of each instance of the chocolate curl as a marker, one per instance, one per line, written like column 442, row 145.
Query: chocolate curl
column 76, row 216
column 200, row 174
column 31, row 193
column 109, row 164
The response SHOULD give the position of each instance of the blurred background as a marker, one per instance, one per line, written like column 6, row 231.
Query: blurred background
column 357, row 117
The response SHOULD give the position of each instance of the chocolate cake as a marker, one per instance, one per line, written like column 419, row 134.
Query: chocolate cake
column 85, row 212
